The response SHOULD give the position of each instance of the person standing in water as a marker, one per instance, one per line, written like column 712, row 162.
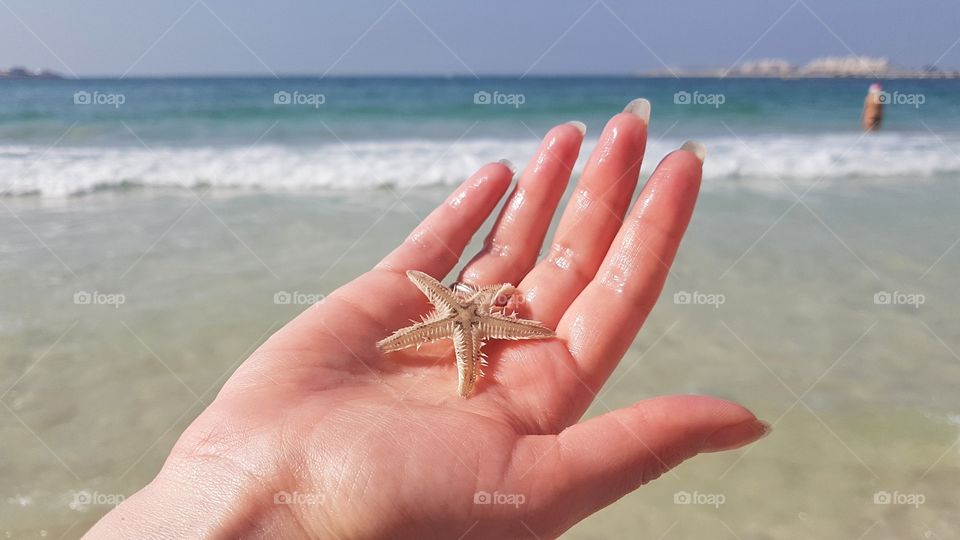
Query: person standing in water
column 873, row 108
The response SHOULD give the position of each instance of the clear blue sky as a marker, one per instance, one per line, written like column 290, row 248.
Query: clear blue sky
column 349, row 37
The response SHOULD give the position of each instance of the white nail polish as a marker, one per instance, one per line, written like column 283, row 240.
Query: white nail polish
column 697, row 148
column 581, row 127
column 508, row 164
column 639, row 107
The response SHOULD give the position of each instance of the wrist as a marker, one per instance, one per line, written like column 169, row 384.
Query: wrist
column 190, row 500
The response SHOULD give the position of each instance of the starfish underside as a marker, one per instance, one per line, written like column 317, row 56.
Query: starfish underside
column 470, row 317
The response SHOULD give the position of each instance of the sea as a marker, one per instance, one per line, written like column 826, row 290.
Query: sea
column 154, row 231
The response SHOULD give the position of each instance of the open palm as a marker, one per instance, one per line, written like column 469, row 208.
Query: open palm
column 319, row 434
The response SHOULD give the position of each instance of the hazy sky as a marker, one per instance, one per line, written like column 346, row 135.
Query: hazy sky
column 113, row 37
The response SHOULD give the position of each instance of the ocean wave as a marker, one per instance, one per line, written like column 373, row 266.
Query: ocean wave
column 752, row 162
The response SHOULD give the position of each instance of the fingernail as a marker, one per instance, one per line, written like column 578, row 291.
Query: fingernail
column 581, row 127
column 697, row 148
column 736, row 436
column 508, row 164
column 639, row 107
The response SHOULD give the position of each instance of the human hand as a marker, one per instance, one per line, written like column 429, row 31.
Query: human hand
column 319, row 434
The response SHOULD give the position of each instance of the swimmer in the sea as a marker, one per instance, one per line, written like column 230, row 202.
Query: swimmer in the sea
column 873, row 108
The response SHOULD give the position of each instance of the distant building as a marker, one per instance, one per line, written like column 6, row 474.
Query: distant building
column 847, row 66
column 831, row 66
column 765, row 67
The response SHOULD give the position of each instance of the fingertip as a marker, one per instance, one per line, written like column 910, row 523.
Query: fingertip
column 568, row 136
column 509, row 165
column 624, row 140
column 681, row 168
column 736, row 436
column 697, row 148
column 486, row 186
column 554, row 160
column 640, row 108
column 580, row 126
column 621, row 145
column 495, row 176
column 685, row 157
column 628, row 121
column 670, row 195
column 722, row 424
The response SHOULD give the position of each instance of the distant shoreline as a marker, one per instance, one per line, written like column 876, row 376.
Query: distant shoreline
column 19, row 73
column 880, row 76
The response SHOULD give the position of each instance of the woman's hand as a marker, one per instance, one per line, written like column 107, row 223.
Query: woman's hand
column 319, row 434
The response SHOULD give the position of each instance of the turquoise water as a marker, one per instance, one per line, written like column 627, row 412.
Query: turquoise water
column 222, row 111
column 232, row 132
column 299, row 198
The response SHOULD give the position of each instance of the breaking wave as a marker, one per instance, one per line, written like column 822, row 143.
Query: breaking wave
column 757, row 162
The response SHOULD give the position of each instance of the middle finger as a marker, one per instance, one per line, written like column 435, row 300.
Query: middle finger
column 513, row 245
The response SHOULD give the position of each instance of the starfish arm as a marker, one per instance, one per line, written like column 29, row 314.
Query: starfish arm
column 467, row 344
column 494, row 326
column 440, row 296
column 430, row 329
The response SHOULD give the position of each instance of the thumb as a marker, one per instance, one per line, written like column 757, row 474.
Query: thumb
column 592, row 464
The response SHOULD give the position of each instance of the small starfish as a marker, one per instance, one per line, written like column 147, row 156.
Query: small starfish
column 467, row 315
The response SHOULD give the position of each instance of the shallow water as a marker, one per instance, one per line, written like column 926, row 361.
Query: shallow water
column 782, row 317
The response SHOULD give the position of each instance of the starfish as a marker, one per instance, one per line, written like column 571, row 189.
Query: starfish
column 470, row 316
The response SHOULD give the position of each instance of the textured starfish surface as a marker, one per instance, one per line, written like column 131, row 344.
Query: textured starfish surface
column 470, row 317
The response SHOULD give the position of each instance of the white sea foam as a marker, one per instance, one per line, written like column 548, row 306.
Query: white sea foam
column 765, row 163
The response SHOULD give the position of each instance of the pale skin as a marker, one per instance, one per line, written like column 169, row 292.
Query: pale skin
column 372, row 445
